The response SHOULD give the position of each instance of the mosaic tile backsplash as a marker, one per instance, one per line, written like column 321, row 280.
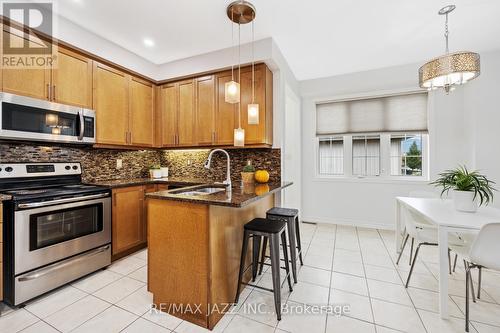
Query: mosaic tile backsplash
column 100, row 164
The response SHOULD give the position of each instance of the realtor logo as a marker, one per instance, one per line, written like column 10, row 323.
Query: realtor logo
column 28, row 42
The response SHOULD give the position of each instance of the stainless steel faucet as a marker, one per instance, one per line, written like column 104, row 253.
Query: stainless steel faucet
column 227, row 182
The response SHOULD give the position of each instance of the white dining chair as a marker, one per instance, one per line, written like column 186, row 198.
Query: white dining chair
column 424, row 236
column 482, row 251
column 419, row 221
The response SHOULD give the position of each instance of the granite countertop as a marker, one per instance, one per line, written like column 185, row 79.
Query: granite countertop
column 240, row 195
column 4, row 197
column 144, row 181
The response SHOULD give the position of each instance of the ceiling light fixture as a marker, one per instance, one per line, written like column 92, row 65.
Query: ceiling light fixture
column 148, row 42
column 450, row 69
column 239, row 12
column 253, row 108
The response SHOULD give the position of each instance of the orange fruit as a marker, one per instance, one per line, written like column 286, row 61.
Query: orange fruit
column 261, row 176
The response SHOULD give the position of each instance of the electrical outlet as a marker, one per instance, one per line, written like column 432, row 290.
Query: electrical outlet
column 119, row 163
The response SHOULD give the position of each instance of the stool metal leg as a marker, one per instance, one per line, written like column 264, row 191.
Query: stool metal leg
column 274, row 243
column 285, row 256
column 299, row 243
column 263, row 255
column 255, row 255
column 242, row 264
column 290, row 223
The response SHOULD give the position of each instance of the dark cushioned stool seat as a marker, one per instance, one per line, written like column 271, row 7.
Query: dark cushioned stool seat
column 264, row 225
column 291, row 212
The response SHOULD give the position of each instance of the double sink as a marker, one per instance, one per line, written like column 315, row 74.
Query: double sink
column 199, row 190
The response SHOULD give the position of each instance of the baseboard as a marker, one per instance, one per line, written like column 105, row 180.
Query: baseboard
column 348, row 222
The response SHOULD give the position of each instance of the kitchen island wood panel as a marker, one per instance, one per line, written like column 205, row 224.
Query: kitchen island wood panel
column 194, row 255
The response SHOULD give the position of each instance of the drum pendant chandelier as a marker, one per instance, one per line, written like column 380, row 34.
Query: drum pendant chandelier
column 450, row 69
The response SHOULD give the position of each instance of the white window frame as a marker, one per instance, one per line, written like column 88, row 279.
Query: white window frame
column 385, row 160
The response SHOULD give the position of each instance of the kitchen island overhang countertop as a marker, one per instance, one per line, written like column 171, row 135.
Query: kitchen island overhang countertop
column 194, row 247
column 240, row 195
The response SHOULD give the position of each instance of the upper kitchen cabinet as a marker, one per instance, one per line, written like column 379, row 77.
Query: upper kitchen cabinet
column 177, row 114
column 205, row 110
column 186, row 121
column 72, row 79
column 226, row 116
column 27, row 82
column 111, row 102
column 194, row 112
column 68, row 81
column 262, row 132
column 124, row 108
column 167, row 114
column 141, row 113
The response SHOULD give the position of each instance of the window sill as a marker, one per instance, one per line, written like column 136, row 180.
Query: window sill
column 371, row 180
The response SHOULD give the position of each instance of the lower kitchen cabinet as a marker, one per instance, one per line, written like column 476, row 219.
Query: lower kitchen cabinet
column 130, row 218
column 129, row 226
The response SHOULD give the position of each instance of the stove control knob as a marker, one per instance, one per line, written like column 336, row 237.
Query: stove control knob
column 75, row 167
column 8, row 169
column 67, row 167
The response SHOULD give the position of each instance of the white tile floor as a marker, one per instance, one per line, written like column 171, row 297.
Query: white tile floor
column 343, row 265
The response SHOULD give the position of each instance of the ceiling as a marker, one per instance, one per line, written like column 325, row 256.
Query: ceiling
column 318, row 38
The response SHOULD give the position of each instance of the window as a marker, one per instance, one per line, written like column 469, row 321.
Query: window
column 382, row 137
column 366, row 155
column 331, row 155
column 406, row 155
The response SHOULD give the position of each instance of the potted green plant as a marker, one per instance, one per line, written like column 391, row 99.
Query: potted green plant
column 248, row 173
column 470, row 188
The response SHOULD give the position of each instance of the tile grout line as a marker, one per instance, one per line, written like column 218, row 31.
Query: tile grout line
column 406, row 290
column 331, row 276
column 366, row 281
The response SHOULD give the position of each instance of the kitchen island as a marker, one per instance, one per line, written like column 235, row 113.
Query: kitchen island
column 194, row 247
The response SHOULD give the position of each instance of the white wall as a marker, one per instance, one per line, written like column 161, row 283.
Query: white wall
column 370, row 202
column 482, row 106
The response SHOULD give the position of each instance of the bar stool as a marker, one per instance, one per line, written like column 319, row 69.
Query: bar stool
column 256, row 229
column 291, row 217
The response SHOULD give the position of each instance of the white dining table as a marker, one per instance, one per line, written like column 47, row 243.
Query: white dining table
column 446, row 218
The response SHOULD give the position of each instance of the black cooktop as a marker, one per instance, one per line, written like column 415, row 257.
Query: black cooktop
column 54, row 191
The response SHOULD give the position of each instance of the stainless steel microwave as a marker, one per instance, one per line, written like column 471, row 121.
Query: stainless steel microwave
column 26, row 118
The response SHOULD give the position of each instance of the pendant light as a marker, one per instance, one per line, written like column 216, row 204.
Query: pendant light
column 450, row 69
column 239, row 12
column 232, row 88
column 253, row 108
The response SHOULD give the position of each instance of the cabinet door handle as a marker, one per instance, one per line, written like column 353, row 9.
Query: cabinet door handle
column 48, row 91
column 126, row 137
column 54, row 92
column 130, row 137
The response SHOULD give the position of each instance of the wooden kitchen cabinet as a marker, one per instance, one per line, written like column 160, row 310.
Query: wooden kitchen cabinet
column 205, row 110
column 72, row 79
column 226, row 116
column 141, row 113
column 201, row 101
column 178, row 114
column 68, row 81
column 262, row 132
column 26, row 82
column 128, row 226
column 186, row 120
column 124, row 108
column 111, row 102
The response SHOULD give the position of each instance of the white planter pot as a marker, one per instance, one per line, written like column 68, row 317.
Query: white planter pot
column 464, row 201
column 156, row 173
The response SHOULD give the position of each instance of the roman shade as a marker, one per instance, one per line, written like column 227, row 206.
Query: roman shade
column 399, row 113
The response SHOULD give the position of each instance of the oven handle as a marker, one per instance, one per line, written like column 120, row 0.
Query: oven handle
column 60, row 201
column 51, row 268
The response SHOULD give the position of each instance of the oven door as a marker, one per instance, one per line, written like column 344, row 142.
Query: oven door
column 27, row 118
column 48, row 234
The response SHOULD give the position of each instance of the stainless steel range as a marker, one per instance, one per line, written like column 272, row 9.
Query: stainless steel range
column 56, row 229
